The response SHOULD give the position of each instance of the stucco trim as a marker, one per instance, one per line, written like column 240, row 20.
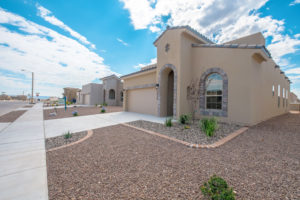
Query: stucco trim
column 141, row 86
column 174, row 89
column 203, row 110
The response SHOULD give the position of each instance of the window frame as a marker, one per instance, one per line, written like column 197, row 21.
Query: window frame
column 213, row 95
column 110, row 96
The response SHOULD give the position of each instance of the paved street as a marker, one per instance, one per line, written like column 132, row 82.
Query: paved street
column 8, row 106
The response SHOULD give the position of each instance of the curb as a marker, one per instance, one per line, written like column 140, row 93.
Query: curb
column 197, row 146
column 89, row 134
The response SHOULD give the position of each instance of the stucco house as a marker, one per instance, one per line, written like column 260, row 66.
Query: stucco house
column 70, row 93
column 237, row 81
column 110, row 92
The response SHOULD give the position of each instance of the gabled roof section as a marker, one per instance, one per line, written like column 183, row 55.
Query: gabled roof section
column 189, row 29
column 239, row 46
column 144, row 69
column 109, row 77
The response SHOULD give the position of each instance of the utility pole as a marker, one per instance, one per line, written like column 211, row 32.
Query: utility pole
column 32, row 84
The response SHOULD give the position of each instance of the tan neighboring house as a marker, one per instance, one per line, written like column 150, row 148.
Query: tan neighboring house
column 237, row 81
column 70, row 93
column 110, row 92
column 294, row 102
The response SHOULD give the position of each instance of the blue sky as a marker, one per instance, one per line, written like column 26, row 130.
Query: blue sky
column 70, row 43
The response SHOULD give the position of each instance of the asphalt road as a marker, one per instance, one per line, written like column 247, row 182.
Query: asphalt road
column 8, row 106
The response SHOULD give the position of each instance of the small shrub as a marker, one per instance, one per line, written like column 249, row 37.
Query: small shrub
column 209, row 126
column 67, row 135
column 186, row 127
column 217, row 189
column 103, row 110
column 184, row 119
column 75, row 113
column 96, row 105
column 168, row 122
column 104, row 104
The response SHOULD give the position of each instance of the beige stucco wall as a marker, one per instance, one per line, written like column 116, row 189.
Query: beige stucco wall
column 295, row 106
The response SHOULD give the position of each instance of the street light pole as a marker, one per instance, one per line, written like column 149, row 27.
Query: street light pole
column 32, row 84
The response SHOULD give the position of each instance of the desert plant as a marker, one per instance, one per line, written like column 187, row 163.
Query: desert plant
column 217, row 189
column 96, row 105
column 75, row 113
column 209, row 126
column 184, row 119
column 102, row 110
column 68, row 135
column 104, row 104
column 186, row 127
column 168, row 122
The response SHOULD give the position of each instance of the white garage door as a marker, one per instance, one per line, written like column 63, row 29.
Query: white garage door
column 87, row 99
column 142, row 101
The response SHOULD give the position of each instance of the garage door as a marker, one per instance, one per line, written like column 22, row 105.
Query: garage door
column 87, row 99
column 142, row 101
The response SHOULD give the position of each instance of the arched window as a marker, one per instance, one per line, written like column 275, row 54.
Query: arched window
column 111, row 94
column 214, row 91
column 121, row 96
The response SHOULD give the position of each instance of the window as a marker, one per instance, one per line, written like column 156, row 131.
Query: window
column 283, row 97
column 214, row 90
column 278, row 96
column 286, row 98
column 273, row 90
column 111, row 94
column 121, row 96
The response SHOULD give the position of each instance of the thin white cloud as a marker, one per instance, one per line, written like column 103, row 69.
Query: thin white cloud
column 122, row 42
column 49, row 17
column 42, row 50
column 152, row 61
column 294, row 2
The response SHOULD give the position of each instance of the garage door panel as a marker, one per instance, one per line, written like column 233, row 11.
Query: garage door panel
column 142, row 101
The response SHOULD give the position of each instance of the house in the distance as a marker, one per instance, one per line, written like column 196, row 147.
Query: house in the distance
column 237, row 81
column 109, row 92
column 70, row 93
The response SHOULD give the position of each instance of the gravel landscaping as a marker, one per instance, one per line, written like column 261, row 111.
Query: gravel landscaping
column 28, row 106
column 61, row 140
column 11, row 116
column 192, row 135
column 61, row 113
column 119, row 162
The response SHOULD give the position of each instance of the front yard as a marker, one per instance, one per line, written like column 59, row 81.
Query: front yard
column 81, row 111
column 120, row 162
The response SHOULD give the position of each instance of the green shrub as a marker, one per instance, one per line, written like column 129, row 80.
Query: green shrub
column 67, row 135
column 184, row 119
column 104, row 104
column 96, row 105
column 168, row 122
column 209, row 126
column 103, row 110
column 217, row 189
column 75, row 113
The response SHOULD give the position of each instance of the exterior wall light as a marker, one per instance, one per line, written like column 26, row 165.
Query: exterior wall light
column 156, row 85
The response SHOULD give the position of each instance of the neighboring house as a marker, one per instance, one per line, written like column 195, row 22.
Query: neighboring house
column 237, row 81
column 90, row 94
column 110, row 92
column 294, row 98
column 294, row 102
column 70, row 93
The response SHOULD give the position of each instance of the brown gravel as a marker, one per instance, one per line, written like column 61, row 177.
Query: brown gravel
column 11, row 116
column 60, row 140
column 192, row 135
column 118, row 162
column 61, row 113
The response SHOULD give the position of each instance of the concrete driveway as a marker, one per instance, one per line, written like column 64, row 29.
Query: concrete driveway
column 56, row 127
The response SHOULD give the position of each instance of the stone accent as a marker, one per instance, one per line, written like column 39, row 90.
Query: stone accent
column 213, row 112
column 174, row 90
column 202, row 146
column 141, row 86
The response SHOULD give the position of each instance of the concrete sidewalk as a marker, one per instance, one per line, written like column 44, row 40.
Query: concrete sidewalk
column 23, row 173
column 56, row 127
